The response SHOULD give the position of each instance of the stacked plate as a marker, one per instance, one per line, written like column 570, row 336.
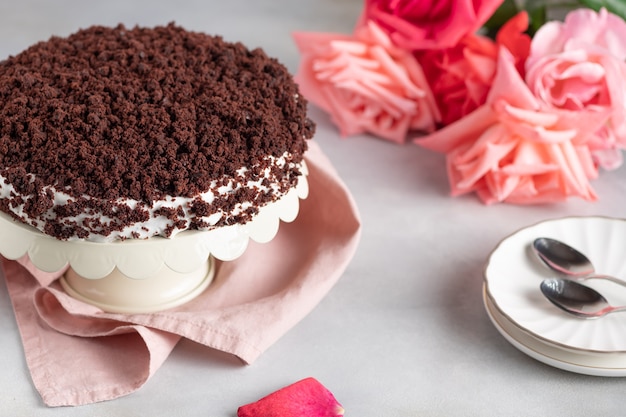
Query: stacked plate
column 532, row 324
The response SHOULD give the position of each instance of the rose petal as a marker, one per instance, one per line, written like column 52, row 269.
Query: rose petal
column 305, row 398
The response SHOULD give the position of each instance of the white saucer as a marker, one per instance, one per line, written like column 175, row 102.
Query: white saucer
column 535, row 326
column 599, row 364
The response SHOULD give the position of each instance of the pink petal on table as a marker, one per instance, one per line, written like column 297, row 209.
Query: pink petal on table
column 305, row 398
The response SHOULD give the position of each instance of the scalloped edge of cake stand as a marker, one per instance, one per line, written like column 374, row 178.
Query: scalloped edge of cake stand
column 184, row 263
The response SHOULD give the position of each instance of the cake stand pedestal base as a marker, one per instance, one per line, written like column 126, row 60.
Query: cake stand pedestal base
column 117, row 293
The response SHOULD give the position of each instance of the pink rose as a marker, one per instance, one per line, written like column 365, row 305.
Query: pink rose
column 365, row 83
column 581, row 28
column 513, row 150
column 460, row 77
column 579, row 64
column 428, row 24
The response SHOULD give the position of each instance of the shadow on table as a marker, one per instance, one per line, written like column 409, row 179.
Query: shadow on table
column 191, row 353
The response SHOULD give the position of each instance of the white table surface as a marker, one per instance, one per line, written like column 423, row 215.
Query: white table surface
column 404, row 332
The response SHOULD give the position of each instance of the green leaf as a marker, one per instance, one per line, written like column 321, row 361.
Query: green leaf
column 617, row 7
column 537, row 16
column 507, row 10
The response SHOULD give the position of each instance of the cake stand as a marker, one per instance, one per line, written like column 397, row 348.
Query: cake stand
column 145, row 275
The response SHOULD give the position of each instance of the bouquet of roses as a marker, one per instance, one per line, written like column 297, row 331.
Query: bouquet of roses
column 525, row 109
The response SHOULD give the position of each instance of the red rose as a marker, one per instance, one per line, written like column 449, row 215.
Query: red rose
column 428, row 24
column 461, row 76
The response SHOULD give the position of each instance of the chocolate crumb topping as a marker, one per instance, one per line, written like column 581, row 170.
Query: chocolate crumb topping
column 111, row 114
column 142, row 113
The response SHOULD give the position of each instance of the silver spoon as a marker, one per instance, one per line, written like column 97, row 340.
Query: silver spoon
column 576, row 298
column 566, row 260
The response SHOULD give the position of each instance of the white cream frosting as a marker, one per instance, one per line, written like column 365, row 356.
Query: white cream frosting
column 156, row 223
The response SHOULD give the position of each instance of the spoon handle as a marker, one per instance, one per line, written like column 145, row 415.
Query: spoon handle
column 612, row 310
column 605, row 277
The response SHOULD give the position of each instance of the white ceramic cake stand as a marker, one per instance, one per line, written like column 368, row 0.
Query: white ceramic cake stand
column 145, row 275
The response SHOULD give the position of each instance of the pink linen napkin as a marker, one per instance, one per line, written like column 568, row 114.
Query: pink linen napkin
column 78, row 354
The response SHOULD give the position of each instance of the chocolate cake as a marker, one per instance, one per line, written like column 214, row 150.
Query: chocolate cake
column 116, row 133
